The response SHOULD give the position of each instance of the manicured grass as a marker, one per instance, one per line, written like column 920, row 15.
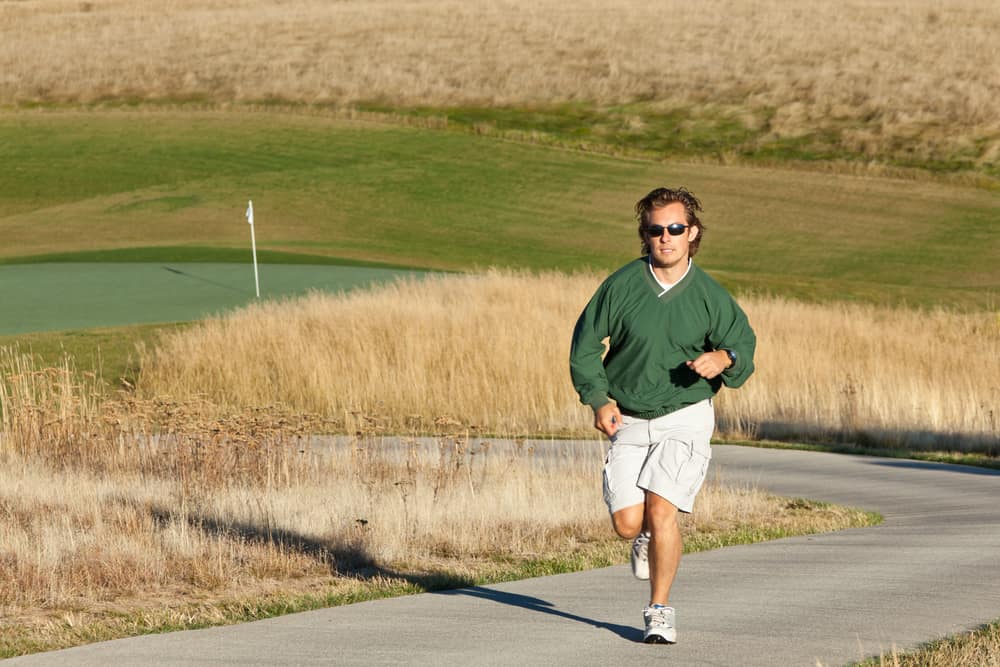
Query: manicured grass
column 202, row 254
column 646, row 129
column 87, row 295
column 103, row 180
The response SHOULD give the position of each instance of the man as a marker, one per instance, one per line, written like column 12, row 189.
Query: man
column 675, row 337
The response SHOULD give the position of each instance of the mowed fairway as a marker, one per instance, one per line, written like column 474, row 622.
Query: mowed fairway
column 434, row 199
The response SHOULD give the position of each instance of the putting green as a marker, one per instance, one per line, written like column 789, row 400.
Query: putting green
column 47, row 297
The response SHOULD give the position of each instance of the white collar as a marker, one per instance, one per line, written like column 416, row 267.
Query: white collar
column 666, row 287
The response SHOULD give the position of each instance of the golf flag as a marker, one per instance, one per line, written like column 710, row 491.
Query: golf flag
column 253, row 244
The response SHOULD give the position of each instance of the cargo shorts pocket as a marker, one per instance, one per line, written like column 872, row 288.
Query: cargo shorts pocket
column 691, row 466
column 606, row 485
column 610, row 483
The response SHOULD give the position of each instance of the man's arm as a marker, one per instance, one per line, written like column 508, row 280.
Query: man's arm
column 731, row 331
column 586, row 365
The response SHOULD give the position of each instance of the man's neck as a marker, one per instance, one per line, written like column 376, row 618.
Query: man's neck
column 669, row 275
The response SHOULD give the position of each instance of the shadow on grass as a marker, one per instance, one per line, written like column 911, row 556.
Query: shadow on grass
column 345, row 559
column 207, row 281
column 348, row 559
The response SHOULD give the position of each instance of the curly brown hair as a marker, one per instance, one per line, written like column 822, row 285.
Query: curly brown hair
column 661, row 197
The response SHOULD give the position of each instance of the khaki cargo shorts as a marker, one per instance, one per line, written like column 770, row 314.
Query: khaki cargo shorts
column 668, row 456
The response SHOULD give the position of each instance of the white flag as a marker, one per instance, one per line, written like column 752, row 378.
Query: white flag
column 250, row 211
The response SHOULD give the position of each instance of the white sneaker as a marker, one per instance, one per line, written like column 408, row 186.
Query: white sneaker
column 640, row 556
column 660, row 627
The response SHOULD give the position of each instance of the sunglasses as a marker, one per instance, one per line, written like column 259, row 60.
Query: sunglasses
column 654, row 231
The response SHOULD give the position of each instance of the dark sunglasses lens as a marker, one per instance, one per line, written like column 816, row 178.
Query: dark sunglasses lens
column 676, row 229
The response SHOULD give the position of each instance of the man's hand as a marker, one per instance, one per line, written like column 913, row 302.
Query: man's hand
column 607, row 419
column 710, row 364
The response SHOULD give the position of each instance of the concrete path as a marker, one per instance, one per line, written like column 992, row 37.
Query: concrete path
column 932, row 569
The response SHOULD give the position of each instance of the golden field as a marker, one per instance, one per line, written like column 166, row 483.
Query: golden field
column 916, row 78
column 490, row 352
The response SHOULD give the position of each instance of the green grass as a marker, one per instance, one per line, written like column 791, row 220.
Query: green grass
column 110, row 352
column 712, row 131
column 85, row 295
column 148, row 186
column 635, row 129
column 95, row 181
column 195, row 254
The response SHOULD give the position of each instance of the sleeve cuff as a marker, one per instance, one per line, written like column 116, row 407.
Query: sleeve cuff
column 597, row 401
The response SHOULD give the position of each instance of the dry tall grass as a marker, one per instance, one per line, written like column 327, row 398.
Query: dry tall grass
column 974, row 649
column 920, row 74
column 485, row 351
column 912, row 378
column 490, row 352
column 111, row 506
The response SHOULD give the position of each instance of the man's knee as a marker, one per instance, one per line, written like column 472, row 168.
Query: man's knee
column 627, row 522
column 660, row 512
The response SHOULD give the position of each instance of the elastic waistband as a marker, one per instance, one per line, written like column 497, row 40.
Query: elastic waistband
column 654, row 414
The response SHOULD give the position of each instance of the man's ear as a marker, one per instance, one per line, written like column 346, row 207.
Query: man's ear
column 693, row 232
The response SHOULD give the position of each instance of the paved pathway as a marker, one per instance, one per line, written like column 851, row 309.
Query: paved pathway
column 932, row 569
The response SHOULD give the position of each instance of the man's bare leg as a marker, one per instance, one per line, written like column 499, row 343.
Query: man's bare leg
column 665, row 547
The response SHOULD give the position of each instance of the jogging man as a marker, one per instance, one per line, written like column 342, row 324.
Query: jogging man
column 675, row 336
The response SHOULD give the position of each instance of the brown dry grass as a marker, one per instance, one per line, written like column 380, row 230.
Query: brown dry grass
column 974, row 649
column 490, row 352
column 919, row 76
column 166, row 510
column 921, row 379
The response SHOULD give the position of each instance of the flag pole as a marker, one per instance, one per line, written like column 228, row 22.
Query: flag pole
column 253, row 244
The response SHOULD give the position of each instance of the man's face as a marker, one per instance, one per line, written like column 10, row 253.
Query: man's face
column 665, row 250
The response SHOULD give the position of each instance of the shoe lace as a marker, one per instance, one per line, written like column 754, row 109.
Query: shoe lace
column 641, row 546
column 660, row 616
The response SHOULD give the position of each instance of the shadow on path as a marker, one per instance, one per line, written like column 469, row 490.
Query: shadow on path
column 930, row 465
column 856, row 440
column 536, row 604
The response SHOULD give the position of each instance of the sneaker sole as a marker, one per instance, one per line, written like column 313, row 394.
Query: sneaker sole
column 641, row 576
column 657, row 639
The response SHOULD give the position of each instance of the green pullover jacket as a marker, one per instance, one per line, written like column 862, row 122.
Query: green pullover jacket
column 651, row 339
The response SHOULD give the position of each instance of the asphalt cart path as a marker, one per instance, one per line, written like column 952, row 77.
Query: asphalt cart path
column 930, row 570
